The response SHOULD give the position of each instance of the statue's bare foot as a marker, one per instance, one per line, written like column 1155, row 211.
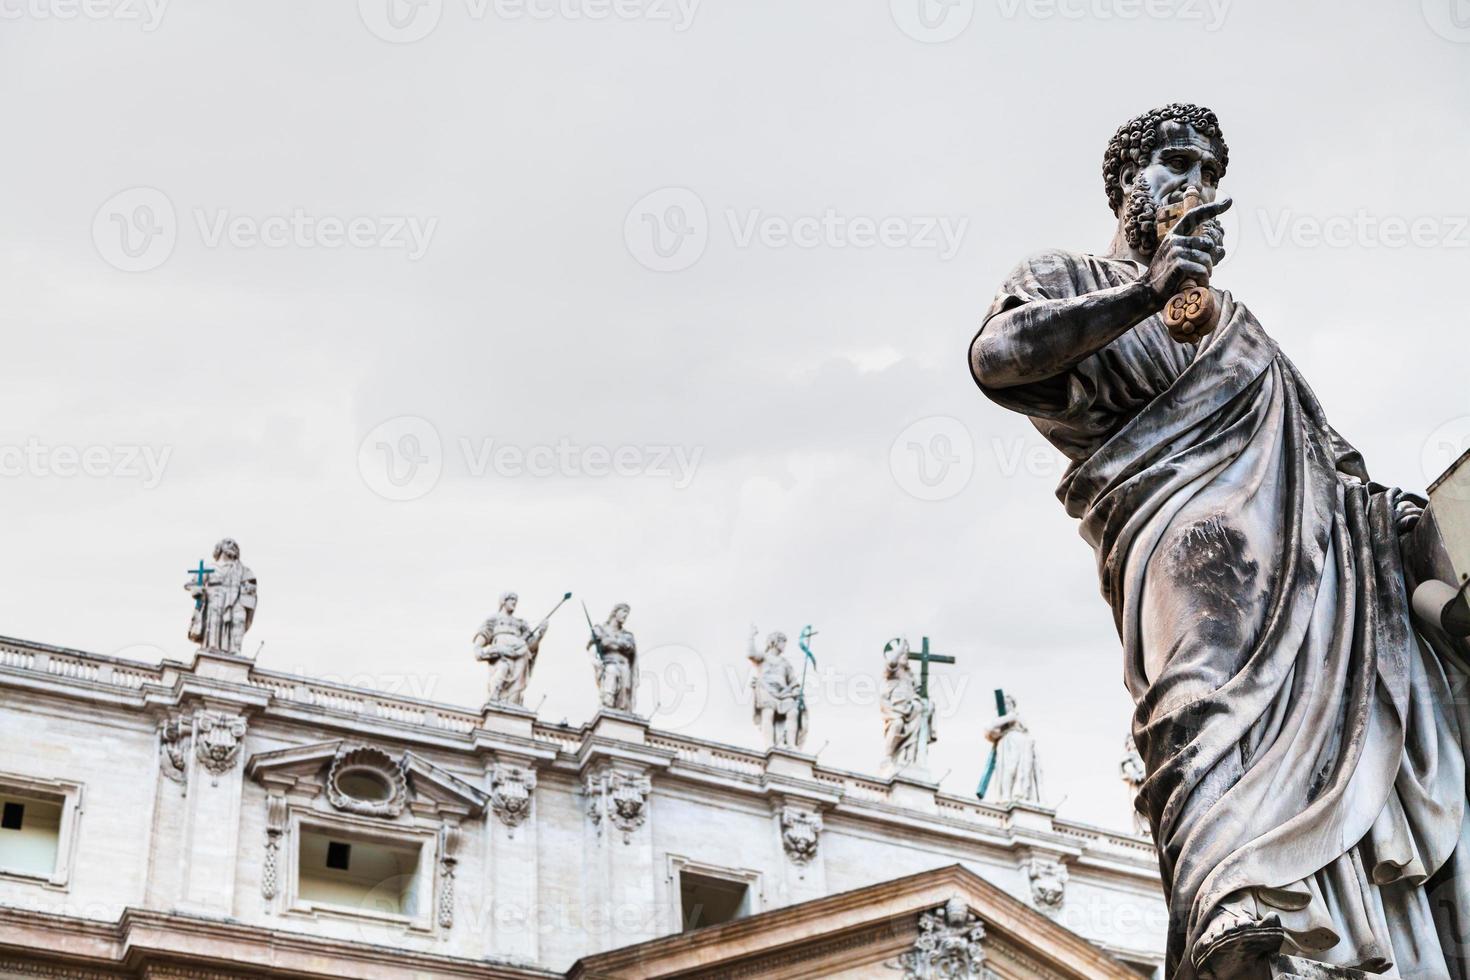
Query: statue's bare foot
column 1236, row 942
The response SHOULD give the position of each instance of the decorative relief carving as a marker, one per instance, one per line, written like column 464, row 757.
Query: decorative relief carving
column 366, row 780
column 217, row 740
column 800, row 831
column 510, row 794
column 275, row 826
column 173, row 733
column 619, row 797
column 448, row 858
column 949, row 947
column 1048, row 884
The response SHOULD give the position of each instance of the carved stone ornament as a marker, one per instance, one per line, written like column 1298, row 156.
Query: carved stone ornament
column 275, row 826
column 217, row 740
column 449, row 838
column 366, row 780
column 173, row 735
column 619, row 797
column 949, row 946
column 510, row 794
column 800, row 831
column 1048, row 884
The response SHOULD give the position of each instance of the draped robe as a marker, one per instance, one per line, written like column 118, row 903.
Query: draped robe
column 1305, row 746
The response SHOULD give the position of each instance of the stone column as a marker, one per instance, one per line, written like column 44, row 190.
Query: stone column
column 209, row 849
column 215, row 698
column 511, row 845
column 510, row 896
column 623, row 882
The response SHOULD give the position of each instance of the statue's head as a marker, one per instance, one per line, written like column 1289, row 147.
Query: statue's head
column 898, row 646
column 227, row 549
column 1153, row 158
column 777, row 642
column 1010, row 703
column 619, row 615
column 508, row 602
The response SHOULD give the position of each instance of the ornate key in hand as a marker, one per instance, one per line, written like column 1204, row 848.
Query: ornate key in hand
column 1193, row 311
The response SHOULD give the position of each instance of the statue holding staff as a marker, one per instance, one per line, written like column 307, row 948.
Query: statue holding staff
column 779, row 708
column 614, row 659
column 510, row 645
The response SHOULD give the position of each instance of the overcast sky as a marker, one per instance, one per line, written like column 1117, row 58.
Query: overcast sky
column 665, row 303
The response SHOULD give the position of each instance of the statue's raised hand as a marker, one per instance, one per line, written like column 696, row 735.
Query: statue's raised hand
column 1188, row 253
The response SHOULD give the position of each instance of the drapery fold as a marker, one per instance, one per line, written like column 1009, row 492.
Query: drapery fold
column 1304, row 750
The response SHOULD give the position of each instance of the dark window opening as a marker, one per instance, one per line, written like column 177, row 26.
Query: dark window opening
column 709, row 901
column 13, row 816
column 338, row 855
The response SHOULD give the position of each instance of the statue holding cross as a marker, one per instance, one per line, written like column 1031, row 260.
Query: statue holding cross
column 908, row 713
column 224, row 600
column 1014, row 769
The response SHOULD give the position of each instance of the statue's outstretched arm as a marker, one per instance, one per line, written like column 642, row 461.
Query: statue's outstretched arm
column 1043, row 338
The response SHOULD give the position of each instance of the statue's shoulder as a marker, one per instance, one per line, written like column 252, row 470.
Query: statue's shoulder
column 1050, row 271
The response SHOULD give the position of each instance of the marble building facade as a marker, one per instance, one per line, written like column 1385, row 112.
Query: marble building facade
column 212, row 818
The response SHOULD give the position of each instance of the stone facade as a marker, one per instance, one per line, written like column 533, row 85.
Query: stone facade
column 194, row 796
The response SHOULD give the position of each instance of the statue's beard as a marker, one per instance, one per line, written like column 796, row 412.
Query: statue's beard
column 1140, row 217
column 1140, row 212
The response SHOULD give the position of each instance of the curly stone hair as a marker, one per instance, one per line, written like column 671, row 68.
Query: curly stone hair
column 1134, row 141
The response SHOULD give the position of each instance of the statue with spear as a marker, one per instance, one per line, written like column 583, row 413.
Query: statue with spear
column 510, row 645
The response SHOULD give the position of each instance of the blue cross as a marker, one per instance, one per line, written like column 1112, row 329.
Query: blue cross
column 199, row 574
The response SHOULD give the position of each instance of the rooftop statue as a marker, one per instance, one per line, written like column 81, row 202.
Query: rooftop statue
column 224, row 601
column 510, row 645
column 614, row 660
column 1305, row 752
column 779, row 705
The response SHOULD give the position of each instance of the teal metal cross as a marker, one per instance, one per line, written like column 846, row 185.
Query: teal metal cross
column 1000, row 711
column 199, row 574
column 925, row 658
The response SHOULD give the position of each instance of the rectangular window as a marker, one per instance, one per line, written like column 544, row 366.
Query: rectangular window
column 30, row 834
column 708, row 900
column 376, row 877
column 14, row 815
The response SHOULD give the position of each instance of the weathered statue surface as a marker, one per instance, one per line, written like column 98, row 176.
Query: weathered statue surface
column 614, row 656
column 908, row 717
column 1133, row 772
column 779, row 710
column 224, row 601
column 1017, row 776
column 1304, row 742
column 510, row 645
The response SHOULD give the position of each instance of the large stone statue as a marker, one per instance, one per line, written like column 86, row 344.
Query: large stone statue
column 1133, row 773
column 779, row 705
column 908, row 717
column 614, row 656
column 510, row 644
column 1305, row 744
column 224, row 601
column 1017, row 777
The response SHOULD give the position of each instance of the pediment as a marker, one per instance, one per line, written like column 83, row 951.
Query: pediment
column 408, row 779
column 879, row 930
